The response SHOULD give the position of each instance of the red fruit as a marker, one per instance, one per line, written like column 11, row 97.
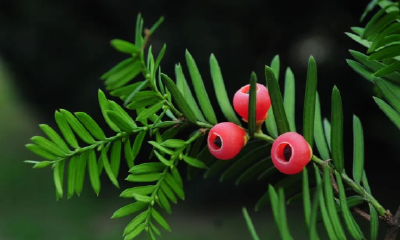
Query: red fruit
column 290, row 153
column 241, row 102
column 225, row 140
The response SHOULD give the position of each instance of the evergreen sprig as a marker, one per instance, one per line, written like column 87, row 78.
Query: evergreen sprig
column 163, row 107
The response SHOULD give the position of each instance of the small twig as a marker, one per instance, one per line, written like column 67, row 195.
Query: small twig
column 393, row 226
column 147, row 35
column 363, row 214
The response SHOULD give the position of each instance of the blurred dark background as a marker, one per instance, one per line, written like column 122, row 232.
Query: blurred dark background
column 53, row 52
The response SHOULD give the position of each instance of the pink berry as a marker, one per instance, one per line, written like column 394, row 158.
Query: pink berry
column 225, row 140
column 290, row 153
column 241, row 102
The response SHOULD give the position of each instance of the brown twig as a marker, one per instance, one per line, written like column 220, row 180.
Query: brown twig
column 393, row 226
column 147, row 35
column 363, row 214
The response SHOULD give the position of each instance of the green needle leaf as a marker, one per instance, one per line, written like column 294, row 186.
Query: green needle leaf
column 331, row 205
column 200, row 90
column 142, row 198
column 289, row 99
column 358, row 157
column 163, row 201
column 135, row 222
column 174, row 184
column 270, row 122
column 319, row 134
column 351, row 224
column 276, row 101
column 135, row 232
column 252, row 104
column 275, row 207
column 179, row 99
column 361, row 69
column 143, row 85
column 80, row 172
column 147, row 177
column 115, row 157
column 314, row 211
column 275, row 66
column 309, row 102
column 325, row 216
column 220, row 92
column 379, row 40
column 156, row 25
column 250, row 225
column 174, row 143
column 119, row 121
column 374, row 222
column 385, row 53
column 66, row 130
column 48, row 146
column 40, row 152
column 162, row 159
column 137, row 144
column 58, row 178
column 124, row 75
column 128, row 153
column 327, row 130
column 163, row 223
column 337, row 130
column 142, row 190
column 105, row 105
column 93, row 172
column 371, row 25
column 129, row 209
column 387, row 70
column 160, row 57
column 285, row 234
column 54, row 137
column 168, row 192
column 72, row 169
column 107, row 167
column 150, row 111
column 389, row 111
column 161, row 148
column 194, row 162
column 374, row 66
column 90, row 125
column 392, row 98
column 124, row 46
column 120, row 67
column 41, row 164
column 306, row 198
column 122, row 113
column 147, row 168
column 77, row 127
column 187, row 93
column 177, row 176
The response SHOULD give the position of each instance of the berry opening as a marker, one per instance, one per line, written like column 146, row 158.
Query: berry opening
column 284, row 152
column 215, row 142
column 218, row 142
column 246, row 89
